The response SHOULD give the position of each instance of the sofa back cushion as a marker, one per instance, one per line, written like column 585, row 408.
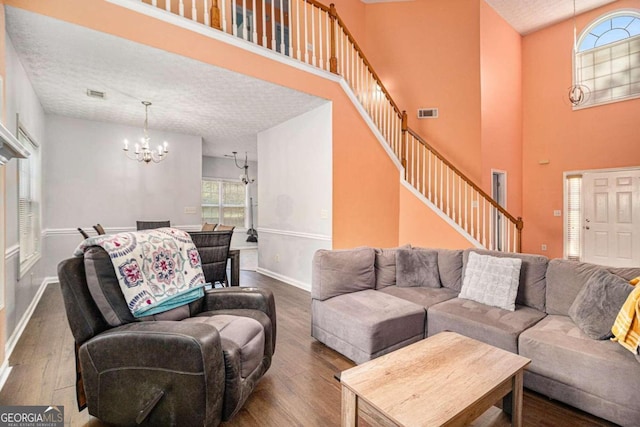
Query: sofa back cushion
column 337, row 272
column 450, row 268
column 532, row 287
column 385, row 266
column 417, row 267
column 566, row 278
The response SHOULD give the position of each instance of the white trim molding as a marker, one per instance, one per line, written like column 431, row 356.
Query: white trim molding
column 312, row 236
column 12, row 251
column 286, row 279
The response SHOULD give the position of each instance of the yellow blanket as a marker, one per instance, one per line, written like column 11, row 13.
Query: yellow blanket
column 626, row 329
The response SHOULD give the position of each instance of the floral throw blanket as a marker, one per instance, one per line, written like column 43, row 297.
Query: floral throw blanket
column 158, row 269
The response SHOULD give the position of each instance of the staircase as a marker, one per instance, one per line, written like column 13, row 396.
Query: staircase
column 310, row 32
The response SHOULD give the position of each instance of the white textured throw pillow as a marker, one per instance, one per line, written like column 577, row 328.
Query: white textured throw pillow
column 491, row 280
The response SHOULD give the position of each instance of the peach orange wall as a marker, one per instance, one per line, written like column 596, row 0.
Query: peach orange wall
column 422, row 227
column 501, row 104
column 605, row 136
column 365, row 189
column 427, row 54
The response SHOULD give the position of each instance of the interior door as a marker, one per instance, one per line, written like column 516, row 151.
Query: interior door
column 611, row 215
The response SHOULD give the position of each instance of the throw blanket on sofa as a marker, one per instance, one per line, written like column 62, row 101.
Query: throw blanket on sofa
column 157, row 269
column 626, row 329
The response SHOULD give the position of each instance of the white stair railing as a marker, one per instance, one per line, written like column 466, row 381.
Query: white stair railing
column 313, row 33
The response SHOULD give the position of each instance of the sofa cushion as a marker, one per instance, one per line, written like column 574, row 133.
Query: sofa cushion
column 417, row 267
column 341, row 272
column 627, row 273
column 385, row 266
column 491, row 325
column 597, row 304
column 450, row 268
column 564, row 280
column 561, row 351
column 423, row 296
column 531, row 291
column 242, row 339
column 369, row 320
column 491, row 280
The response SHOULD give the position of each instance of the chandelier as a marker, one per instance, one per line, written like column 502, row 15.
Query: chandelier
column 142, row 151
column 577, row 92
column 245, row 176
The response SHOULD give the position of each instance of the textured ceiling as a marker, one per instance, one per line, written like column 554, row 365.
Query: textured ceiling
column 527, row 16
column 227, row 109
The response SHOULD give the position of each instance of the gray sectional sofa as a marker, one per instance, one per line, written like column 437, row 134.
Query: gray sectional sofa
column 365, row 304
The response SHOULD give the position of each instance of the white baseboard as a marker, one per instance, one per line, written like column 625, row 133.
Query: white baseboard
column 22, row 324
column 5, row 370
column 285, row 279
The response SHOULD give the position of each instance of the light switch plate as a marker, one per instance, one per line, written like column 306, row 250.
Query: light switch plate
column 190, row 210
column 557, row 213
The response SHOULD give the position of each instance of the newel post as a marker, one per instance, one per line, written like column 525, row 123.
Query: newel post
column 405, row 128
column 215, row 15
column 519, row 227
column 333, row 60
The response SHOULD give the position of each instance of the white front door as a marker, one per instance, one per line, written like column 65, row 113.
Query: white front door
column 612, row 218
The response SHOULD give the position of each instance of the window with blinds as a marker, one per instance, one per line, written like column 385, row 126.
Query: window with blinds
column 29, row 203
column 224, row 202
column 573, row 191
column 607, row 61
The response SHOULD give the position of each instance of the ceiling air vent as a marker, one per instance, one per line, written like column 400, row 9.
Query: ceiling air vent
column 96, row 94
column 428, row 113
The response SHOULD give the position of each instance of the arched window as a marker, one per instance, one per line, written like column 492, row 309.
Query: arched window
column 607, row 61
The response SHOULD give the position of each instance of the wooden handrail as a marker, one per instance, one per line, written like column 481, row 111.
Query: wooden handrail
column 464, row 177
column 368, row 64
column 319, row 5
column 384, row 115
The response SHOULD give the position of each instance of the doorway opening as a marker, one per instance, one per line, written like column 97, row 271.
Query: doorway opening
column 499, row 194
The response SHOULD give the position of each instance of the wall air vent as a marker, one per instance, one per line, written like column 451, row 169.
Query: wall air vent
column 428, row 113
column 96, row 94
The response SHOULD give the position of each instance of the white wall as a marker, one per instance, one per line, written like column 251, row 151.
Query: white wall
column 20, row 98
column 225, row 168
column 89, row 180
column 295, row 195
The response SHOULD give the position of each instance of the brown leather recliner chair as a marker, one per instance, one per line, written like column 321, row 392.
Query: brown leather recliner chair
column 193, row 365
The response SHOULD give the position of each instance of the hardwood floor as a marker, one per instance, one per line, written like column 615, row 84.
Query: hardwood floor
column 298, row 390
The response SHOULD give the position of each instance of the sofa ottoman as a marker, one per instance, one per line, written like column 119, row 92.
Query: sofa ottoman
column 366, row 324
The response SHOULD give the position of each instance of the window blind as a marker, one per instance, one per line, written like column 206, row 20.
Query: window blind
column 224, row 202
column 574, row 216
column 29, row 204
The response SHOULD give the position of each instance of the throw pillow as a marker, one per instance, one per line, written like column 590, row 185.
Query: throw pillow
column 491, row 280
column 208, row 227
column 417, row 267
column 634, row 281
column 597, row 304
column 386, row 266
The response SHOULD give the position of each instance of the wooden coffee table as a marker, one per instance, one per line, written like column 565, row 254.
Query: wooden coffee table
column 447, row 379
